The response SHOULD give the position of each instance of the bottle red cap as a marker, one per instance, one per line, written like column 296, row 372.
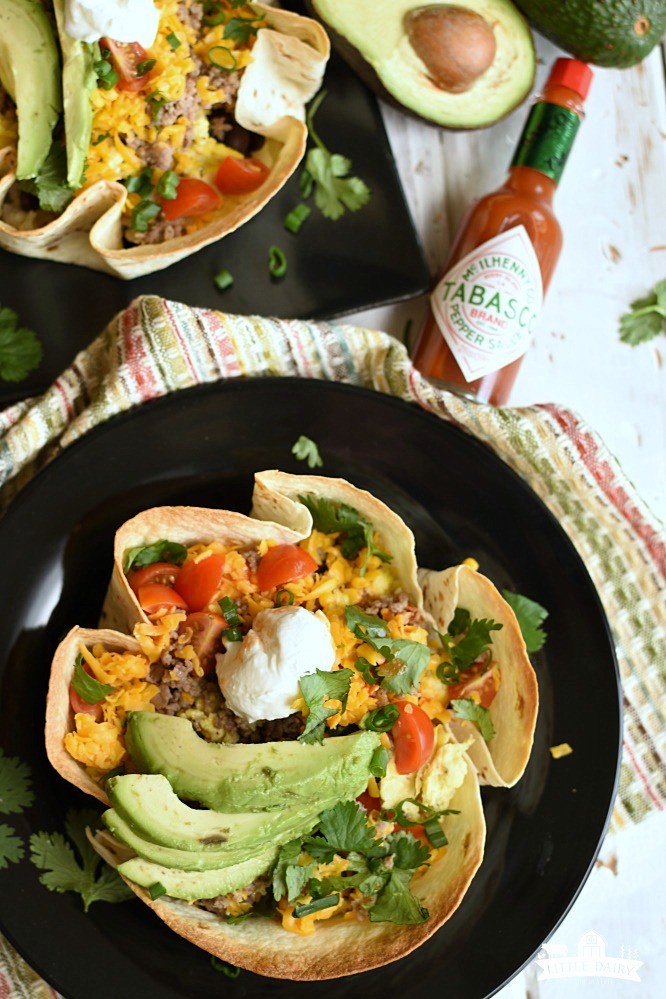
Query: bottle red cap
column 572, row 73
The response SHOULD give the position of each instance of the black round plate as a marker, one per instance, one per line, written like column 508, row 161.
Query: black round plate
column 202, row 447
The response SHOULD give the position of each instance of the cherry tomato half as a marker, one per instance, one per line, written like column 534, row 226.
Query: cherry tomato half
column 79, row 706
column 236, row 176
column 127, row 58
column 158, row 572
column 283, row 564
column 199, row 582
column 413, row 737
column 157, row 598
column 474, row 680
column 193, row 197
column 206, row 630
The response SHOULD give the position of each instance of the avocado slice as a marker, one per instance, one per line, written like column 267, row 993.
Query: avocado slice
column 192, row 885
column 79, row 79
column 611, row 33
column 190, row 860
column 149, row 805
column 248, row 777
column 459, row 65
column 30, row 73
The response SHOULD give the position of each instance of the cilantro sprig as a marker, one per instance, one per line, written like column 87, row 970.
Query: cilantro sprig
column 316, row 689
column 160, row 551
column 465, row 641
column 468, row 710
column 11, row 846
column 305, row 449
column 647, row 318
column 89, row 689
column 327, row 174
column 64, row 870
column 15, row 785
column 331, row 517
column 405, row 660
column 20, row 350
column 530, row 616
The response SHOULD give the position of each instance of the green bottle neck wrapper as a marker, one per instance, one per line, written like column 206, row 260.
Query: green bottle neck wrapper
column 547, row 139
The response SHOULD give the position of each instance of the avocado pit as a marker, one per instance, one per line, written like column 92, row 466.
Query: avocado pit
column 455, row 44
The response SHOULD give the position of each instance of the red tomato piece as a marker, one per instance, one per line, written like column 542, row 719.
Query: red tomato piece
column 157, row 598
column 79, row 706
column 236, row 176
column 283, row 564
column 199, row 582
column 193, row 197
column 158, row 572
column 126, row 58
column 475, row 681
column 369, row 803
column 206, row 630
column 413, row 737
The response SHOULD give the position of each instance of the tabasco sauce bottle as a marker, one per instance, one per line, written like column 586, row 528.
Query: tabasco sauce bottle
column 483, row 312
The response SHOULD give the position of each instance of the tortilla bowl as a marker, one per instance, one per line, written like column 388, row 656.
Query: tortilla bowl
column 289, row 59
column 338, row 947
column 502, row 761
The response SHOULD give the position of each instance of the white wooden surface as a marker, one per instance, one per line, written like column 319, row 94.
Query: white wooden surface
column 612, row 207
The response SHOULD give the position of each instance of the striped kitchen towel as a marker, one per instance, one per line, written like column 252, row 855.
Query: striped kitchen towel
column 155, row 346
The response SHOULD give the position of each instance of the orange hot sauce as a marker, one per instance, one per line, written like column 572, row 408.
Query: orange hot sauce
column 483, row 311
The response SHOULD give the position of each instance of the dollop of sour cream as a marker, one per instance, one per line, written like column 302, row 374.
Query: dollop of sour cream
column 259, row 676
column 122, row 20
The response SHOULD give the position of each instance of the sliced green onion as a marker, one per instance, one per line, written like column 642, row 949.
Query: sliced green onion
column 223, row 279
column 174, row 41
column 143, row 214
column 213, row 12
column 365, row 667
column 145, row 67
column 278, row 598
column 227, row 62
column 140, row 183
column 230, row 970
column 156, row 101
column 316, row 906
column 306, row 183
column 106, row 74
column 297, row 217
column 167, row 185
column 434, row 832
column 156, row 890
column 277, row 262
column 382, row 719
column 448, row 673
column 233, row 634
column 229, row 608
column 378, row 762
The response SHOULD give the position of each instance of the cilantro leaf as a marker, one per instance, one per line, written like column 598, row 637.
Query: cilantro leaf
column 395, row 902
column 289, row 854
column 297, row 878
column 160, row 551
column 53, row 854
column 339, row 518
column 50, row 184
column 530, row 617
column 466, row 650
column 465, row 707
column 15, row 785
column 305, row 449
column 408, row 851
column 88, row 687
column 242, row 29
column 316, row 688
column 647, row 318
column 365, row 625
column 334, row 190
column 405, row 659
column 20, row 350
column 11, row 846
column 345, row 827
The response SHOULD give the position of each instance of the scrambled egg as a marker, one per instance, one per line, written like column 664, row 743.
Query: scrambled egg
column 435, row 783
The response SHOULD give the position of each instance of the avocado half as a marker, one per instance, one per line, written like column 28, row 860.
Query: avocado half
column 404, row 50
column 610, row 33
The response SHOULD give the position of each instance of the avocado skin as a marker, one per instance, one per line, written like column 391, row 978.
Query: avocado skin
column 248, row 778
column 601, row 32
column 194, row 885
column 30, row 73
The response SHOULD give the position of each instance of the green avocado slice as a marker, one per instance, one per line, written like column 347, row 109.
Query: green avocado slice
column 30, row 73
column 152, row 809
column 248, row 777
column 192, row 885
column 190, row 860
column 79, row 79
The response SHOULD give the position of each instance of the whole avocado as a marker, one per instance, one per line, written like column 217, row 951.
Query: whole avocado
column 613, row 33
